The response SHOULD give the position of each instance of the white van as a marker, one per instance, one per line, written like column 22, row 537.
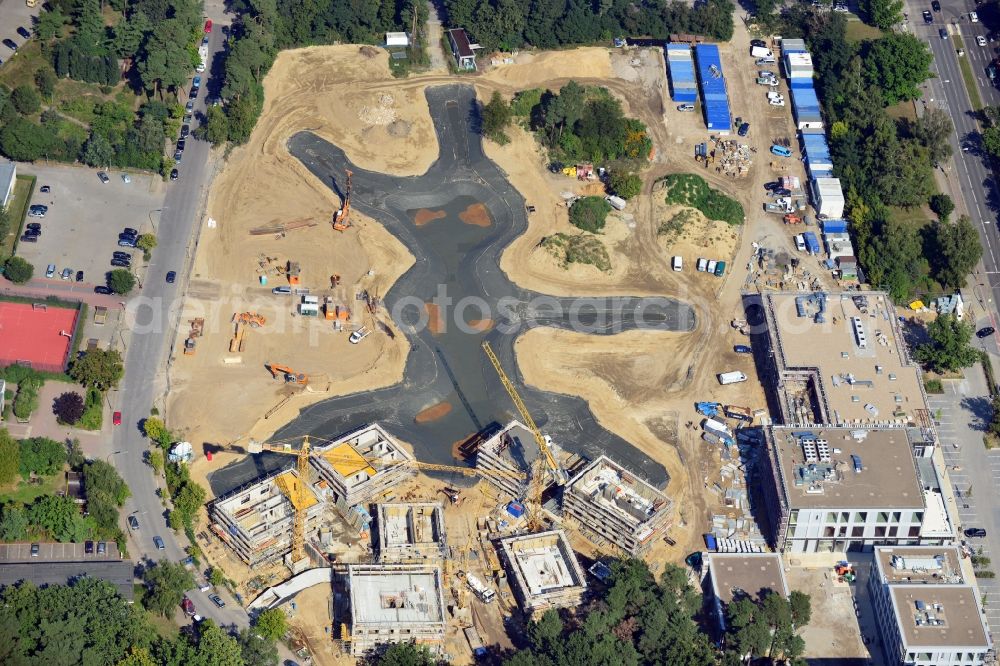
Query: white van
column 711, row 265
column 734, row 377
column 761, row 52
column 702, row 264
column 800, row 243
column 766, row 60
column 677, row 263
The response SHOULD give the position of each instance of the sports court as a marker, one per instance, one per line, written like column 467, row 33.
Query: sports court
column 37, row 335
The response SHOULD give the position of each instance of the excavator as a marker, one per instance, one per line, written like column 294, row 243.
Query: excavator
column 289, row 375
column 341, row 219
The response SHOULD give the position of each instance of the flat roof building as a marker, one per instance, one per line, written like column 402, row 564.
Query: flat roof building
column 839, row 359
column 831, row 489
column 362, row 465
column 615, row 508
column 410, row 532
column 462, row 49
column 742, row 574
column 926, row 611
column 257, row 520
column 508, row 458
column 543, row 571
column 395, row 604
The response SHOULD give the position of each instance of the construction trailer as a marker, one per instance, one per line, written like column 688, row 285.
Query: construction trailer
column 256, row 521
column 615, row 508
column 410, row 532
column 392, row 604
column 543, row 571
column 294, row 272
column 362, row 465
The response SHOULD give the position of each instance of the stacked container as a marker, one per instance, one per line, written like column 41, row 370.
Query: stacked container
column 680, row 66
column 715, row 99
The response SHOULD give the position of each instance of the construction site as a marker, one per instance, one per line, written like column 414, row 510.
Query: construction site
column 290, row 333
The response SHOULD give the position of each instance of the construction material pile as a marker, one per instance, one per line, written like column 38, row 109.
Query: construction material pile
column 736, row 158
column 380, row 114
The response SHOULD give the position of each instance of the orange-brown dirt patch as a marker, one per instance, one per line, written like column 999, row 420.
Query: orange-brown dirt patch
column 477, row 215
column 425, row 215
column 481, row 325
column 433, row 413
column 434, row 320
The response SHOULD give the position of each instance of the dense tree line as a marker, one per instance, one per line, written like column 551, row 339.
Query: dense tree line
column 883, row 162
column 261, row 29
column 513, row 24
column 88, row 622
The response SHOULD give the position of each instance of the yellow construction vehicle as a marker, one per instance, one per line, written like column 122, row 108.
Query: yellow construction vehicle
column 289, row 375
column 341, row 219
column 546, row 459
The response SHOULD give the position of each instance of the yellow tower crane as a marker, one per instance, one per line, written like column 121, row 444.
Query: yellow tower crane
column 547, row 460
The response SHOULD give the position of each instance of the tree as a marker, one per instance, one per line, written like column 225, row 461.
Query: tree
column 18, row 270
column 102, row 478
column 949, row 349
column 46, row 80
column 801, row 608
column 271, row 624
column 25, row 100
column 121, row 281
column 50, row 24
column 13, row 523
column 933, row 130
column 216, row 576
column 959, row 250
column 216, row 126
column 156, row 460
column 146, row 243
column 60, row 517
column 942, row 205
column 589, row 213
column 166, row 583
column 97, row 151
column 405, row 654
column 68, row 407
column 99, row 368
column 25, row 141
column 257, row 650
column 137, row 657
column 10, row 457
column 883, row 14
column 897, row 64
column 991, row 140
column 216, row 647
column 496, row 116
column 42, row 456
column 74, row 457
column 156, row 430
column 625, row 183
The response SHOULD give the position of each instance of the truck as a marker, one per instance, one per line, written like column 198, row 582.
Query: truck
column 188, row 607
column 776, row 208
column 476, row 643
column 717, row 428
column 616, row 202
column 720, row 269
column 812, row 243
column 766, row 81
column 485, row 594
column 733, row 377
column 739, row 413
column 761, row 52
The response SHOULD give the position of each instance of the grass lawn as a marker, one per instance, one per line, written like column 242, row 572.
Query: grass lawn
column 858, row 31
column 164, row 626
column 18, row 208
column 21, row 67
column 919, row 216
column 968, row 77
column 26, row 493
column 902, row 111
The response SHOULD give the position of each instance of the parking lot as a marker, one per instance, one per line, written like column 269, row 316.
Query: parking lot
column 80, row 229
column 56, row 552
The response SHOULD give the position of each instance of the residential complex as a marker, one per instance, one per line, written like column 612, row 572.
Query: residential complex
column 362, row 465
column 256, row 520
column 410, row 532
column 392, row 604
column 927, row 613
column 614, row 507
column 543, row 571
column 838, row 359
column 835, row 488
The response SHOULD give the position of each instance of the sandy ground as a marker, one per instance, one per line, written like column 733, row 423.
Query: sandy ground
column 640, row 385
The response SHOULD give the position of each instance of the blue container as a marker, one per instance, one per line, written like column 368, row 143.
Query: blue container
column 515, row 509
column 834, row 226
column 680, row 67
column 710, row 542
column 812, row 243
column 715, row 99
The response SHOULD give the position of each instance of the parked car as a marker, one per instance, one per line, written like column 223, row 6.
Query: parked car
column 102, row 547
column 29, row 238
column 185, row 130
column 79, row 276
column 21, row 30
column 800, row 243
column 171, row 277
column 189, row 107
column 927, row 17
column 217, row 600
column 974, row 17
column 196, row 82
column 126, row 242
column 101, row 289
column 121, row 255
column 208, row 25
column 116, row 418
column 193, row 93
column 33, row 226
column 158, row 542
column 985, row 332
column 742, row 349
column 702, row 264
column 33, row 233
column 174, row 174
column 88, row 547
column 129, row 231
column 121, row 263
column 780, row 151
column 133, row 523
column 935, row 5
column 181, row 143
column 126, row 178
column 11, row 44
column 758, row 42
column 104, row 177
column 685, row 107
column 977, row 532
column 34, row 549
column 980, row 40
column 45, row 189
column 178, row 154
column 50, row 270
column 67, row 274
column 943, row 34
column 744, row 129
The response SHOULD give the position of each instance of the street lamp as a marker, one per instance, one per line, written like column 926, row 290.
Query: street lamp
column 107, row 458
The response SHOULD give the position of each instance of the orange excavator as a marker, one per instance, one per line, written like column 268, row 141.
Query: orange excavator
column 289, row 375
column 341, row 219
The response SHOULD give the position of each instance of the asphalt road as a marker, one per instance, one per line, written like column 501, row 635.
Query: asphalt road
column 151, row 316
column 462, row 260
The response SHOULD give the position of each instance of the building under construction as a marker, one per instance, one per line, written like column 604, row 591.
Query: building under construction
column 256, row 520
column 543, row 571
column 616, row 509
column 362, row 465
column 391, row 604
column 410, row 532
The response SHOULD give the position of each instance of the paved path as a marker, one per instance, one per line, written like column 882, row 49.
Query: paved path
column 434, row 34
column 462, row 260
column 961, row 414
column 42, row 288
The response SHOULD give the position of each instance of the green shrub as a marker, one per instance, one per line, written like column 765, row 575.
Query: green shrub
column 589, row 213
column 625, row 184
column 525, row 101
column 688, row 189
column 93, row 411
column 578, row 249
